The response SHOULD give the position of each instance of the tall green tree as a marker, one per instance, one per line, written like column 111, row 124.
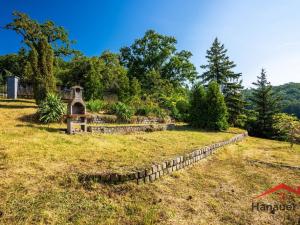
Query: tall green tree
column 208, row 109
column 154, row 60
column 114, row 76
column 198, row 108
column 87, row 72
column 216, row 108
column 44, row 41
column 265, row 103
column 99, row 76
column 219, row 68
column 41, row 60
column 234, row 101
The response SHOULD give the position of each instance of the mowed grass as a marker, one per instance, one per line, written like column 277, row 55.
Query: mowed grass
column 39, row 169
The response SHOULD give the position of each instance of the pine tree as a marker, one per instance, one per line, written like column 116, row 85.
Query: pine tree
column 220, row 69
column 265, row 103
column 234, row 101
column 198, row 114
column 219, row 66
column 216, row 108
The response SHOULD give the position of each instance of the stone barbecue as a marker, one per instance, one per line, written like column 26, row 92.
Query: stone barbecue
column 76, row 112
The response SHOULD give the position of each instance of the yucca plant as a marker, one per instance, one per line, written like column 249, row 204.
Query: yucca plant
column 51, row 109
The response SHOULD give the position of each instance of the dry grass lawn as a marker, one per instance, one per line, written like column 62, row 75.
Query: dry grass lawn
column 39, row 168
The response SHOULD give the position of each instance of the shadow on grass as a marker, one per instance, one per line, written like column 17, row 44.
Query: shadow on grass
column 87, row 180
column 3, row 159
column 17, row 106
column 32, row 121
column 8, row 106
column 30, row 118
column 49, row 129
column 17, row 100
column 191, row 128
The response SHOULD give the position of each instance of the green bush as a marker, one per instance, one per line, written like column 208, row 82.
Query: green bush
column 198, row 110
column 160, row 113
column 122, row 111
column 287, row 128
column 149, row 108
column 177, row 106
column 216, row 108
column 51, row 109
column 208, row 109
column 95, row 105
column 241, row 121
column 144, row 110
column 183, row 106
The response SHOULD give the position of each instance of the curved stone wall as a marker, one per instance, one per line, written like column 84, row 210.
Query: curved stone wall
column 155, row 171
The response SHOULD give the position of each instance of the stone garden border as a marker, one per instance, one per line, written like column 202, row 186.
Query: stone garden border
column 107, row 118
column 130, row 129
column 157, row 170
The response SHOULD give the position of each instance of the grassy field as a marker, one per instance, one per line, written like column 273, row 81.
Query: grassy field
column 39, row 167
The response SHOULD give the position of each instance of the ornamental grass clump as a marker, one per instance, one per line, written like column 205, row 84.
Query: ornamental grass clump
column 51, row 109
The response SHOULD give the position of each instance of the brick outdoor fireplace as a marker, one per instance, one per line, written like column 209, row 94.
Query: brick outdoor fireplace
column 76, row 112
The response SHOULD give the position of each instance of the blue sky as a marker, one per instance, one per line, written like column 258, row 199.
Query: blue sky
column 256, row 33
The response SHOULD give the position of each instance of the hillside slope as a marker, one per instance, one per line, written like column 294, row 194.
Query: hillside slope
column 290, row 95
column 39, row 169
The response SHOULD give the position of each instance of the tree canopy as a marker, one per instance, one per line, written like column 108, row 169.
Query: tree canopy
column 154, row 60
column 33, row 32
column 44, row 41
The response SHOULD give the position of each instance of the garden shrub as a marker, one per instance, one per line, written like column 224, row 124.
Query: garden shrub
column 177, row 106
column 216, row 108
column 241, row 121
column 208, row 109
column 95, row 105
column 183, row 106
column 149, row 108
column 122, row 111
column 287, row 128
column 144, row 110
column 51, row 109
column 160, row 113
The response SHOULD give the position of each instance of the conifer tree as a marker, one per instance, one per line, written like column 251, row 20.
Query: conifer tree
column 220, row 69
column 198, row 113
column 41, row 60
column 234, row 100
column 216, row 108
column 219, row 66
column 265, row 103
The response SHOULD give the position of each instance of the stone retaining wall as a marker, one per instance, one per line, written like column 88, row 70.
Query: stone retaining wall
column 135, row 119
column 155, row 171
column 130, row 129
